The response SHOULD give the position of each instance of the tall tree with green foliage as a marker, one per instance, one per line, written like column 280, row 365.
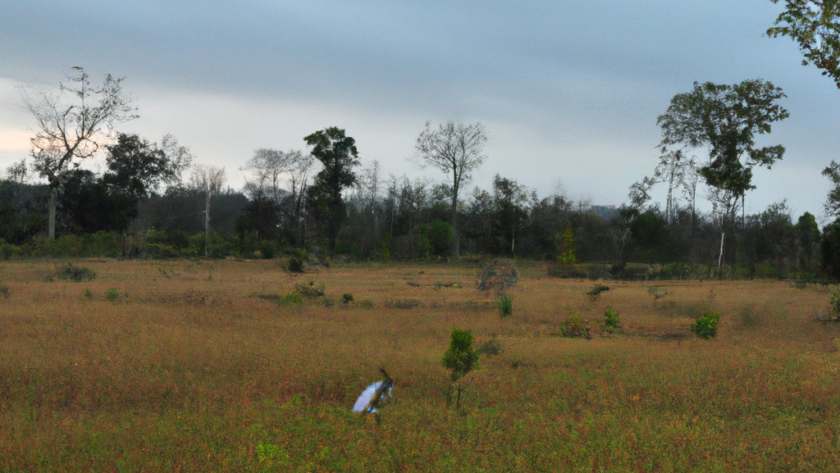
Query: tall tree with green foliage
column 725, row 119
column 338, row 155
column 815, row 25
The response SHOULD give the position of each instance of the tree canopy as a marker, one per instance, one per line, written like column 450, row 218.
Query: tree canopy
column 815, row 25
column 726, row 119
column 338, row 155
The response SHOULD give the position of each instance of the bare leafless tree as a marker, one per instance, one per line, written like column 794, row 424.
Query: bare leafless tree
column 210, row 180
column 457, row 150
column 274, row 173
column 72, row 124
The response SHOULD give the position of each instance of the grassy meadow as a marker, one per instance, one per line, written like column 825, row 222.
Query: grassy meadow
column 207, row 366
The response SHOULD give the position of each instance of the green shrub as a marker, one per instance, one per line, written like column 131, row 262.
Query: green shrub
column 75, row 273
column 441, row 238
column 505, row 305
column 112, row 294
column 4, row 291
column 87, row 294
column 834, row 307
column 291, row 300
column 268, row 249
column 461, row 358
column 574, row 326
column 346, row 299
column 706, row 326
column 295, row 265
column 611, row 320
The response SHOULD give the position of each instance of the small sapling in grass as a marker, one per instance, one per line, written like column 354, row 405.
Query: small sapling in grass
column 461, row 358
column 505, row 305
column 706, row 326
column 346, row 299
column 112, row 295
column 611, row 320
column 87, row 294
column 4, row 291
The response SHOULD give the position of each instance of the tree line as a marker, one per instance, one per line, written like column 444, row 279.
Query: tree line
column 325, row 201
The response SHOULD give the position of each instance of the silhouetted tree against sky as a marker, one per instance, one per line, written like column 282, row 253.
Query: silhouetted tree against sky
column 72, row 123
column 338, row 155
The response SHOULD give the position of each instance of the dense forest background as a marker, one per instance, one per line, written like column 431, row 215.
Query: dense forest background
column 393, row 218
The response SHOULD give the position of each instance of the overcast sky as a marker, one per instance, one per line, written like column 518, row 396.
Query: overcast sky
column 569, row 91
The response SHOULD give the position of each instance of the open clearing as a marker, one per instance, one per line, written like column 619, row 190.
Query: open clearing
column 202, row 366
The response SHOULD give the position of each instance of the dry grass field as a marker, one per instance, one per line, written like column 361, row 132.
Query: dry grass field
column 202, row 366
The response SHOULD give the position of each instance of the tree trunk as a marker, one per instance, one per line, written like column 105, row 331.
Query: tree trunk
column 51, row 205
column 207, row 224
column 456, row 248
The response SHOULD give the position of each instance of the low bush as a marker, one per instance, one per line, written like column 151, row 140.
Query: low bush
column 311, row 290
column 834, row 307
column 611, row 320
column 346, row 299
column 575, row 327
column 112, row 294
column 4, row 291
column 291, row 300
column 75, row 273
column 706, row 326
column 505, row 305
column 596, row 291
column 295, row 265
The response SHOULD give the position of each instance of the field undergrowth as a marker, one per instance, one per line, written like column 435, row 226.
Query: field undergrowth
column 210, row 366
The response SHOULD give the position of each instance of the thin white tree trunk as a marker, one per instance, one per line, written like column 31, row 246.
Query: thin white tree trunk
column 207, row 224
column 52, row 203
